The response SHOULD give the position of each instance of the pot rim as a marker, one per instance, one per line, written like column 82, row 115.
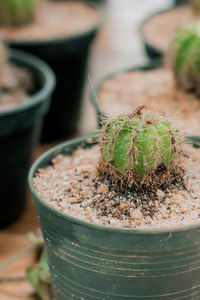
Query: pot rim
column 47, row 88
column 64, row 39
column 84, row 223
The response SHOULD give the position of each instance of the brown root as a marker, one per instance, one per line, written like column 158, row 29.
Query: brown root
column 159, row 178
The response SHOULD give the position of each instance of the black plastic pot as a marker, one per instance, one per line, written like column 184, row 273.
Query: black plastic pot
column 19, row 132
column 95, row 262
column 68, row 57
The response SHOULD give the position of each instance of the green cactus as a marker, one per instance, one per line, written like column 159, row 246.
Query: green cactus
column 134, row 146
column 185, row 55
column 16, row 12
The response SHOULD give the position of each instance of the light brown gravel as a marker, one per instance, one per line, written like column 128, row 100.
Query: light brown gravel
column 124, row 92
column 16, row 84
column 70, row 185
column 161, row 28
column 54, row 19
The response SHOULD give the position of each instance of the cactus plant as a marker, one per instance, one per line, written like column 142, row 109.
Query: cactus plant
column 17, row 12
column 134, row 147
column 185, row 55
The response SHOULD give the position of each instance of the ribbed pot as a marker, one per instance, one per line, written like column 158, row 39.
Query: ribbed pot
column 95, row 262
column 68, row 57
column 20, row 129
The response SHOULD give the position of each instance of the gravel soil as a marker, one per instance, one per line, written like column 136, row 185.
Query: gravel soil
column 70, row 184
column 16, row 84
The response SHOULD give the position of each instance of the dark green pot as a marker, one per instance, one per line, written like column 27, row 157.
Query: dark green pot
column 19, row 132
column 95, row 262
column 68, row 57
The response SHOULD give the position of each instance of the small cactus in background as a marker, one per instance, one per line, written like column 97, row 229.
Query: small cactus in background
column 185, row 56
column 139, row 149
column 16, row 12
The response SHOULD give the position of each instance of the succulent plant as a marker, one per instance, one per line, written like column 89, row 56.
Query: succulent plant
column 185, row 55
column 39, row 277
column 134, row 147
column 17, row 12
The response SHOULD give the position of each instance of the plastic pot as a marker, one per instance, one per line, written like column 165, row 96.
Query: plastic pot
column 68, row 58
column 96, row 262
column 19, row 132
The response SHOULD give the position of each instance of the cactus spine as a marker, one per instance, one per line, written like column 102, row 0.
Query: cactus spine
column 135, row 146
column 17, row 12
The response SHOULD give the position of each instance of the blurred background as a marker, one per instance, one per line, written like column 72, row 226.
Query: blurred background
column 117, row 45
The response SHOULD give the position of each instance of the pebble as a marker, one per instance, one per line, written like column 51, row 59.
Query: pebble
column 103, row 189
column 74, row 200
column 123, row 205
column 136, row 214
column 160, row 194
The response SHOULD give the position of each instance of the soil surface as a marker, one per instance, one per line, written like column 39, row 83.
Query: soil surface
column 157, row 88
column 71, row 185
column 159, row 30
column 16, row 84
column 54, row 19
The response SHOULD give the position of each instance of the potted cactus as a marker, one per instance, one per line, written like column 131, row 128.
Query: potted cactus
column 107, row 212
column 60, row 33
column 22, row 109
column 177, row 84
column 185, row 58
column 134, row 146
